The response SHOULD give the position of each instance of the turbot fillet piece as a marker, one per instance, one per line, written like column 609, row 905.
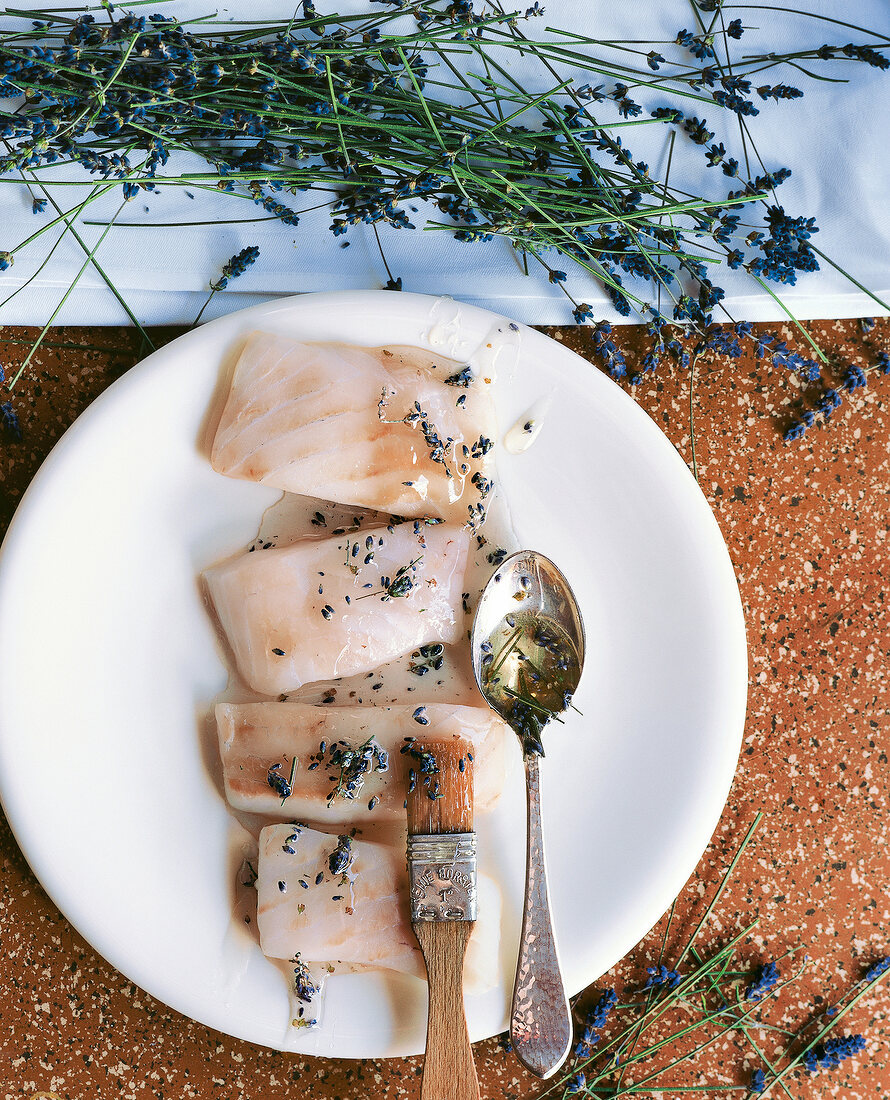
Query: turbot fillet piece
column 374, row 427
column 346, row 765
column 322, row 608
column 341, row 900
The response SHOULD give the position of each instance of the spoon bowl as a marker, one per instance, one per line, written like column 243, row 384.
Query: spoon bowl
column 527, row 645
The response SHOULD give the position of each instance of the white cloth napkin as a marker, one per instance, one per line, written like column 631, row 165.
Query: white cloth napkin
column 834, row 140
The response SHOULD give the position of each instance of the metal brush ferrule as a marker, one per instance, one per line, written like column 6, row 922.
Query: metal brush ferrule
column 442, row 876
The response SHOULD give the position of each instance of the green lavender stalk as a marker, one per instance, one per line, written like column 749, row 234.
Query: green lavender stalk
column 371, row 116
column 701, row 999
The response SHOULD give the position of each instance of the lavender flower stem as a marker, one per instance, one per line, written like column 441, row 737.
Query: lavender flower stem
column 65, row 298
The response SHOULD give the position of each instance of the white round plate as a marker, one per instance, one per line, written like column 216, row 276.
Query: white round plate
column 108, row 664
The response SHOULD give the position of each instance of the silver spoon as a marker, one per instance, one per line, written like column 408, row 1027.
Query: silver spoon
column 528, row 651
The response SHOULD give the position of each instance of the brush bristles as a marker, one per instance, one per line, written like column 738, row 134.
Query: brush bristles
column 441, row 800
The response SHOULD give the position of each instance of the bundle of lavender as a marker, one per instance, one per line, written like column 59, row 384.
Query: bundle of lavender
column 651, row 1039
column 412, row 107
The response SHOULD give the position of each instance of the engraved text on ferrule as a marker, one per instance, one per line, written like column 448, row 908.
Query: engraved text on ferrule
column 442, row 872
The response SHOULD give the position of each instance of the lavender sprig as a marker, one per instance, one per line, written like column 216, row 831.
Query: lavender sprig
column 10, row 422
column 710, row 997
column 344, row 105
column 232, row 269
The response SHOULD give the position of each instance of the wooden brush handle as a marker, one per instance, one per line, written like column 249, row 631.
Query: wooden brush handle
column 449, row 1072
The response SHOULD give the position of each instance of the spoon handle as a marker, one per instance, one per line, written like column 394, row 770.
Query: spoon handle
column 541, row 1020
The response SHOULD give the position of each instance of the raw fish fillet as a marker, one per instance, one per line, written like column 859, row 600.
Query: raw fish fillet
column 308, row 418
column 318, row 608
column 253, row 737
column 359, row 917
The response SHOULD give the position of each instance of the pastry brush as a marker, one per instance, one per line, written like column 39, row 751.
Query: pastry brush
column 442, row 873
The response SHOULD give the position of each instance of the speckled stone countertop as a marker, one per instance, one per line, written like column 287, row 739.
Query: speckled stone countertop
column 806, row 525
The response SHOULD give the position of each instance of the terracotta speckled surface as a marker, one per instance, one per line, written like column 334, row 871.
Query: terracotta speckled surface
column 806, row 526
